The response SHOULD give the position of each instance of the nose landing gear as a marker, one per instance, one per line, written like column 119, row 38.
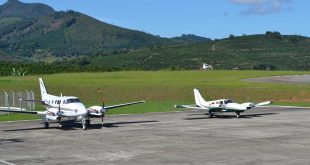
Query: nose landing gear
column 46, row 125
column 85, row 123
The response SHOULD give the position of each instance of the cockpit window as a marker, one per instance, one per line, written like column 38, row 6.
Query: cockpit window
column 75, row 100
column 228, row 101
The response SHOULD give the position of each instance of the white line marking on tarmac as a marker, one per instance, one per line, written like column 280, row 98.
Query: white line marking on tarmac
column 1, row 161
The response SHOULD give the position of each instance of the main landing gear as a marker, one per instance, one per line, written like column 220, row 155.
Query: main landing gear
column 46, row 125
column 210, row 114
column 238, row 115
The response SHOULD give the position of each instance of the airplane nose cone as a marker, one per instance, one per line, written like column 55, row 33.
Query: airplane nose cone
column 81, row 109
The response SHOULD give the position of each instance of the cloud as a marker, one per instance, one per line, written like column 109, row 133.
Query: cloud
column 262, row 7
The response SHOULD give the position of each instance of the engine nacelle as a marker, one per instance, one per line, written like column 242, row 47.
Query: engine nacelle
column 248, row 105
column 54, row 118
column 96, row 111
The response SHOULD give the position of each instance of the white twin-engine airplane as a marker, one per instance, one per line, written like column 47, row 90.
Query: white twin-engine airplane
column 222, row 105
column 67, row 107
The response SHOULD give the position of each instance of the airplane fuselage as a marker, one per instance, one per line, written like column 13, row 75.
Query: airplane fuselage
column 224, row 105
column 68, row 106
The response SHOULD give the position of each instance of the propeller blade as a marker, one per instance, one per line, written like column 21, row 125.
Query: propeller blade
column 263, row 103
column 59, row 113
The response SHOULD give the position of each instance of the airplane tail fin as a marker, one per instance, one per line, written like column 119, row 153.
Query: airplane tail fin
column 42, row 89
column 198, row 98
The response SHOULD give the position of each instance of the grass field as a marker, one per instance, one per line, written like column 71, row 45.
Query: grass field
column 161, row 89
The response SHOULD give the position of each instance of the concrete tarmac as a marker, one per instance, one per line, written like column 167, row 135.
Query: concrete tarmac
column 290, row 79
column 261, row 136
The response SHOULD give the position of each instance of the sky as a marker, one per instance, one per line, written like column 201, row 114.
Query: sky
column 208, row 18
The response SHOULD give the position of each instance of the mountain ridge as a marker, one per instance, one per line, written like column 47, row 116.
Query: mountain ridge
column 15, row 8
column 33, row 34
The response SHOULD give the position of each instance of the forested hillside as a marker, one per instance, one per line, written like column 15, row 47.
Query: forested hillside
column 37, row 32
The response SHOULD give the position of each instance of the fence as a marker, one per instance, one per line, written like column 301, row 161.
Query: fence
column 12, row 99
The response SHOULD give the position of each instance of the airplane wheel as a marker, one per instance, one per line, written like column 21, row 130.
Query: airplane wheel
column 87, row 123
column 238, row 114
column 84, row 124
column 46, row 125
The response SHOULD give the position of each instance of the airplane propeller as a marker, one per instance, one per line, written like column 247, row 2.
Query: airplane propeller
column 59, row 113
column 102, row 112
column 251, row 105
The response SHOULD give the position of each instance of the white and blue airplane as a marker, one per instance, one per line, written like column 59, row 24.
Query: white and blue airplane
column 221, row 105
column 60, row 108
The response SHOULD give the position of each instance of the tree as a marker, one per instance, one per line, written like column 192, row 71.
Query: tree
column 18, row 72
column 274, row 35
column 231, row 36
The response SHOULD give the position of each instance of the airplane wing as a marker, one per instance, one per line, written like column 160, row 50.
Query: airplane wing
column 283, row 106
column 17, row 110
column 122, row 105
column 191, row 107
column 263, row 103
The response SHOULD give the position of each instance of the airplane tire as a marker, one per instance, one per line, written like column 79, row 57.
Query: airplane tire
column 46, row 125
column 238, row 114
column 87, row 123
column 84, row 124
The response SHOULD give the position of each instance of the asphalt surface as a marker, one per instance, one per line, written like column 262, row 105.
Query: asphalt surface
column 264, row 136
column 291, row 79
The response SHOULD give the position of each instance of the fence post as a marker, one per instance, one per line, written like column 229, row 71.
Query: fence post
column 33, row 103
column 13, row 98
column 28, row 98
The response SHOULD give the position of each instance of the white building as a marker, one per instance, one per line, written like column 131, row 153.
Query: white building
column 207, row 66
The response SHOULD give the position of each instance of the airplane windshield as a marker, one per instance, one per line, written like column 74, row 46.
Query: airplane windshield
column 76, row 100
column 228, row 101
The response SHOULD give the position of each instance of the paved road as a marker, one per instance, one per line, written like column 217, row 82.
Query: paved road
column 291, row 79
column 266, row 136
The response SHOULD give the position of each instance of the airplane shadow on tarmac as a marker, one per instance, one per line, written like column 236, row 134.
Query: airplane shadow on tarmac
column 75, row 126
column 15, row 140
column 245, row 116
column 109, row 125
